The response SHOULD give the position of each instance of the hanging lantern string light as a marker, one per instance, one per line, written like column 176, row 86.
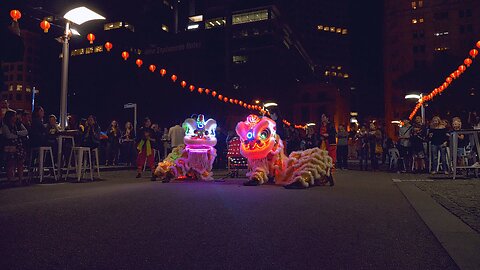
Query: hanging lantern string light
column 453, row 76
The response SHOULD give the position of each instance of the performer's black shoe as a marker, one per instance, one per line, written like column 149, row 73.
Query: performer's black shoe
column 253, row 182
column 138, row 175
column 296, row 185
column 330, row 180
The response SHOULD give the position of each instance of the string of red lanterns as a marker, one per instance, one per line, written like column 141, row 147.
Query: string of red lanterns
column 453, row 76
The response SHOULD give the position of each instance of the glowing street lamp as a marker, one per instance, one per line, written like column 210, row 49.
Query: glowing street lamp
column 77, row 16
column 311, row 124
column 418, row 97
column 270, row 104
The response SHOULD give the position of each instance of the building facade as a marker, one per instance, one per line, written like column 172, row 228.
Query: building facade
column 22, row 78
column 424, row 41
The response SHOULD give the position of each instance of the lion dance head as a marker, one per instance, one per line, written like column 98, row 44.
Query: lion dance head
column 257, row 135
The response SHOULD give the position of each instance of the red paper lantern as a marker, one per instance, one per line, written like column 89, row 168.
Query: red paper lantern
column 45, row 25
column 207, row 91
column 462, row 68
column 473, row 53
column 220, row 97
column 214, row 93
column 478, row 44
column 191, row 87
column 445, row 85
column 467, row 62
column 231, row 100
column 152, row 68
column 163, row 72
column 236, row 101
column 249, row 107
column 108, row 46
column 200, row 90
column 15, row 14
column 174, row 78
column 457, row 73
column 139, row 62
column 448, row 80
column 240, row 102
column 183, row 84
column 91, row 38
column 125, row 55
column 453, row 76
column 225, row 99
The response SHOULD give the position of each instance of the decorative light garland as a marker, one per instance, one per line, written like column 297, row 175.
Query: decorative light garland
column 453, row 76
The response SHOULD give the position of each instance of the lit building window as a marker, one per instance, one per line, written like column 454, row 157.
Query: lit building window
column 240, row 59
column 420, row 20
column 215, row 22
column 28, row 89
column 414, row 4
column 98, row 49
column 420, row 4
column 77, row 52
column 327, row 73
column 332, row 29
column 112, row 25
column 440, row 49
column 19, row 87
column 417, row 20
column 414, row 21
column 89, row 50
column 320, row 27
column 344, row 32
column 248, row 17
column 10, row 87
column 326, row 28
column 129, row 26
column 346, row 76
column 164, row 28
column 339, row 30
column 197, row 18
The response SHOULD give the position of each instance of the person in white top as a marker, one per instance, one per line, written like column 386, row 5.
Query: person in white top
column 176, row 134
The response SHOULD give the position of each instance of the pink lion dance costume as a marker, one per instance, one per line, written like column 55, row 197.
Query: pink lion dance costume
column 266, row 157
column 195, row 158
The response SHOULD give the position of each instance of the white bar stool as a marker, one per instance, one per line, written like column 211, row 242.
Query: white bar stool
column 81, row 155
column 40, row 158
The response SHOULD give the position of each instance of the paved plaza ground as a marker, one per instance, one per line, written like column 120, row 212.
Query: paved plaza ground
column 364, row 222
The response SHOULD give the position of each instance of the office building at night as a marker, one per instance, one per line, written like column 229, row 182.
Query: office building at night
column 423, row 41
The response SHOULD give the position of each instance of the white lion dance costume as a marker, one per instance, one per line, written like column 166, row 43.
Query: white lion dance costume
column 266, row 157
column 195, row 158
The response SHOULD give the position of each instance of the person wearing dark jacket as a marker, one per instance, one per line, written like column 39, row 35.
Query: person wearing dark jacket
column 145, row 143
column 38, row 131
column 91, row 133
column 113, row 143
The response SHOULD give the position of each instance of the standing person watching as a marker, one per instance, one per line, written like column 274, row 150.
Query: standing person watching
column 128, row 144
column 38, row 132
column 438, row 139
column 329, row 137
column 342, row 147
column 361, row 139
column 375, row 143
column 13, row 145
column 113, row 143
column 404, row 143
column 145, row 141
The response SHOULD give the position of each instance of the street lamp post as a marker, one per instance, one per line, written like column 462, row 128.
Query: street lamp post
column 77, row 16
column 418, row 97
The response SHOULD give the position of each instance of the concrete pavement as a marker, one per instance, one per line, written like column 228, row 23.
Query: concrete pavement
column 364, row 222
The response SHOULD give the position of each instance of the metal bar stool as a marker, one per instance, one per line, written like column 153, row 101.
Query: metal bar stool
column 40, row 159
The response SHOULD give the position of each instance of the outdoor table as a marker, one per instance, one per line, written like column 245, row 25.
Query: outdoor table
column 64, row 135
column 474, row 141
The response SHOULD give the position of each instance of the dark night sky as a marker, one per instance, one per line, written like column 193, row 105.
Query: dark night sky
column 366, row 37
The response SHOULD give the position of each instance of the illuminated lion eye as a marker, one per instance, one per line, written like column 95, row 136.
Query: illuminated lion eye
column 250, row 135
column 265, row 133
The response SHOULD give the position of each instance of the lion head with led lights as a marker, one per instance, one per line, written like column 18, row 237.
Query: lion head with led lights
column 200, row 133
column 258, row 136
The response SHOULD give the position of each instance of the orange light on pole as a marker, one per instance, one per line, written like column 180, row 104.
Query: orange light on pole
column 174, row 78
column 183, row 84
column 15, row 14
column 473, row 53
column 152, row 68
column 467, row 62
column 91, row 38
column 108, row 46
column 163, row 72
column 139, row 62
column 45, row 25
column 125, row 55
column 192, row 88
